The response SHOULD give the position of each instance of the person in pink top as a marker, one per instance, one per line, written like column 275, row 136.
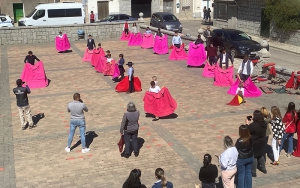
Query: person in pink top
column 289, row 121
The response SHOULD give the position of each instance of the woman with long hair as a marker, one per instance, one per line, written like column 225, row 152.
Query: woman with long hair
column 245, row 158
column 289, row 121
column 297, row 150
column 257, row 131
column 162, row 181
column 267, row 118
column 134, row 180
column 278, row 130
column 208, row 173
column 228, row 163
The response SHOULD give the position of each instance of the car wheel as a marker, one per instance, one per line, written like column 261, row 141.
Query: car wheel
column 233, row 52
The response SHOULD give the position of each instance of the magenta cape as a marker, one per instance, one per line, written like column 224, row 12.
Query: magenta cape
column 101, row 64
column 116, row 73
column 148, row 41
column 161, row 45
column 223, row 77
column 87, row 55
column 159, row 104
column 209, row 70
column 135, row 39
column 250, row 88
column 62, row 44
column 109, row 68
column 197, row 55
column 124, row 36
column 123, row 86
column 34, row 75
column 97, row 54
column 178, row 53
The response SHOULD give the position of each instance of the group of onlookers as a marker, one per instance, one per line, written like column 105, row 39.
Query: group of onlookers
column 242, row 159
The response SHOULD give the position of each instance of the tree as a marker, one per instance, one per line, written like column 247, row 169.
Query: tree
column 285, row 14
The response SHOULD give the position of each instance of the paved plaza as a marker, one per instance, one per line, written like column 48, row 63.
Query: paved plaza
column 36, row 157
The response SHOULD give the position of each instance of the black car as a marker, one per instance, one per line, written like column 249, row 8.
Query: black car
column 166, row 20
column 117, row 18
column 235, row 42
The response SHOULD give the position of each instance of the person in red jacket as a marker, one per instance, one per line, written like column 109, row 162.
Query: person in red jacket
column 289, row 121
column 212, row 54
column 92, row 17
column 126, row 28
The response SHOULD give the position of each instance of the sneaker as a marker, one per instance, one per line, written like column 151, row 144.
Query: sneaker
column 67, row 149
column 288, row 155
column 85, row 150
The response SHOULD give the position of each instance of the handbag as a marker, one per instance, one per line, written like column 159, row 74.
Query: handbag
column 121, row 143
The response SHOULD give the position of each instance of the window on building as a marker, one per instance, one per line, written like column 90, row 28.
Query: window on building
column 56, row 13
column 73, row 12
column 221, row 11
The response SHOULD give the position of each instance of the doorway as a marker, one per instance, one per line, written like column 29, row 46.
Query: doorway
column 143, row 6
column 264, row 25
column 103, row 9
column 168, row 6
column 18, row 11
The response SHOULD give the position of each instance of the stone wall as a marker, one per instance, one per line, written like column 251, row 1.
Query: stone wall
column 284, row 37
column 125, row 6
column 32, row 35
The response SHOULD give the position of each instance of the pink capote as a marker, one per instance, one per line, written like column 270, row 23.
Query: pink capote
column 223, row 77
column 135, row 39
column 62, row 44
column 101, row 64
column 159, row 104
column 34, row 75
column 250, row 88
column 109, row 68
column 124, row 36
column 209, row 70
column 178, row 53
column 197, row 55
column 97, row 54
column 161, row 45
column 87, row 55
column 116, row 73
column 148, row 41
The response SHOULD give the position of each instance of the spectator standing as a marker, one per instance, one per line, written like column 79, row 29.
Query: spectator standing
column 228, row 161
column 129, row 128
column 30, row 58
column 268, row 119
column 289, row 121
column 204, row 13
column 208, row 172
column 92, row 17
column 278, row 130
column 258, row 130
column 208, row 15
column 245, row 158
column 23, row 104
column 207, row 34
column 77, row 109
column 134, row 180
column 162, row 181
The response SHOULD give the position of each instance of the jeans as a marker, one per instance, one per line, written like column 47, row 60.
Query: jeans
column 289, row 137
column 73, row 124
column 25, row 110
column 261, row 161
column 208, row 185
column 133, row 137
column 244, row 175
column 275, row 148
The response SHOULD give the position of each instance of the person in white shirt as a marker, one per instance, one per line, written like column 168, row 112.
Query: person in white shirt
column 176, row 41
column 134, row 29
column 228, row 161
column 148, row 31
column 241, row 91
column 224, row 58
column 155, row 89
column 246, row 69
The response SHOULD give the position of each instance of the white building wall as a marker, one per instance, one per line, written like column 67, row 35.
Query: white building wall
column 93, row 6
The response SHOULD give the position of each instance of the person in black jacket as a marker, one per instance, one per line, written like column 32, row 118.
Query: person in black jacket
column 208, row 173
column 245, row 158
column 224, row 58
column 30, row 58
column 90, row 43
column 23, row 104
column 258, row 130
column 199, row 40
column 134, row 181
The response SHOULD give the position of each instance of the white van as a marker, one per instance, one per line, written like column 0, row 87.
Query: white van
column 54, row 14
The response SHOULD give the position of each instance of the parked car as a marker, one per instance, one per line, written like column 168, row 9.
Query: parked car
column 235, row 42
column 6, row 21
column 166, row 21
column 117, row 18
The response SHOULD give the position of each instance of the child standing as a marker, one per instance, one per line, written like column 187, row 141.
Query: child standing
column 121, row 65
column 176, row 41
column 241, row 91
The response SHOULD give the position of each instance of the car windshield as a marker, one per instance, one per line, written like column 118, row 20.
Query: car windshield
column 31, row 13
column 239, row 36
column 169, row 18
column 109, row 17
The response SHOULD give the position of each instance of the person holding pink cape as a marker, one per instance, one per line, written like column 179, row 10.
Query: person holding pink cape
column 178, row 52
column 161, row 43
column 125, row 34
column 197, row 54
column 89, row 50
column 148, row 40
column 62, row 43
column 97, row 54
column 109, row 66
column 135, row 37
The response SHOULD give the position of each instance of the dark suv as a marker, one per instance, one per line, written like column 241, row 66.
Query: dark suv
column 235, row 42
column 165, row 21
